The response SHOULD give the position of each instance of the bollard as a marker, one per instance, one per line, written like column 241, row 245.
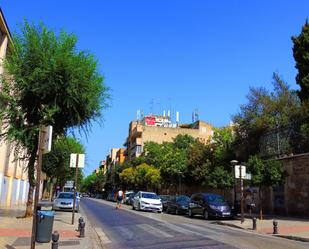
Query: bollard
column 79, row 221
column 82, row 229
column 275, row 223
column 254, row 223
column 55, row 239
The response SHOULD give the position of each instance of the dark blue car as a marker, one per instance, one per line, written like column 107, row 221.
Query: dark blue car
column 209, row 205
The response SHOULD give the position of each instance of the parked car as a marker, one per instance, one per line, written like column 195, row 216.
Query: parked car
column 164, row 200
column 147, row 201
column 129, row 197
column 178, row 204
column 209, row 205
column 64, row 201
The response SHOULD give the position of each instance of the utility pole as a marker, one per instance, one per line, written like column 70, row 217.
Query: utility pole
column 241, row 195
column 44, row 146
column 75, row 187
column 37, row 185
column 76, row 161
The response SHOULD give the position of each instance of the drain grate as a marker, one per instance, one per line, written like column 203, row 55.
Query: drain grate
column 69, row 243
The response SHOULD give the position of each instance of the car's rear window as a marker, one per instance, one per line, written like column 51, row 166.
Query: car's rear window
column 66, row 196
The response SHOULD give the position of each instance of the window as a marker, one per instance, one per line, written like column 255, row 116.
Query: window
column 138, row 149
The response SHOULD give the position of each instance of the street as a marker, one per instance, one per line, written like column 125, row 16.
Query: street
column 126, row 228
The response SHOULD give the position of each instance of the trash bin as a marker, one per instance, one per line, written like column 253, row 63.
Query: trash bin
column 44, row 226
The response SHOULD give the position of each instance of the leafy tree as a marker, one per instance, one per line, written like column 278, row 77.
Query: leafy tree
column 53, row 84
column 94, row 183
column 143, row 176
column 301, row 56
column 259, row 122
column 209, row 164
column 265, row 174
column 56, row 163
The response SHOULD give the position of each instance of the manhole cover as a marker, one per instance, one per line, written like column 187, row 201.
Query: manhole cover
column 22, row 241
column 69, row 243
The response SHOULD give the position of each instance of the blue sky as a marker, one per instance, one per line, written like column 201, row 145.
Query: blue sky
column 180, row 55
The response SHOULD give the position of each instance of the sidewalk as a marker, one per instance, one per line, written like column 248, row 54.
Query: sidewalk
column 290, row 228
column 15, row 233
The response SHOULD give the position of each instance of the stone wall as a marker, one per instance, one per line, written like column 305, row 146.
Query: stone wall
column 296, row 187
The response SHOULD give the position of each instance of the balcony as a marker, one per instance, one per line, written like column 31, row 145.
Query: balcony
column 137, row 131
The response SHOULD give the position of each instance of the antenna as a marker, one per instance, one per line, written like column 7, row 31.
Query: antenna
column 196, row 116
column 177, row 119
column 151, row 106
column 138, row 114
column 164, row 113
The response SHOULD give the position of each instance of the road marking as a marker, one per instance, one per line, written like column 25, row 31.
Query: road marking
column 202, row 229
column 103, row 237
column 125, row 232
column 182, row 230
column 154, row 231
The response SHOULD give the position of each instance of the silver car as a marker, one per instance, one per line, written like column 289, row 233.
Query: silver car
column 64, row 201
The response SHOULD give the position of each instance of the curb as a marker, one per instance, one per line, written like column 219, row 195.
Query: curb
column 229, row 225
column 95, row 242
column 290, row 237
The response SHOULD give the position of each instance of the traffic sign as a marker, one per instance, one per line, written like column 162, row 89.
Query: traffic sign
column 237, row 171
column 73, row 160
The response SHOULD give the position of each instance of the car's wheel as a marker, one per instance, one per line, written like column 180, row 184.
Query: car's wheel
column 139, row 207
column 206, row 216
column 190, row 213
column 176, row 211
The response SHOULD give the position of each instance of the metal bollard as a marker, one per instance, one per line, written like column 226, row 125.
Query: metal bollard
column 254, row 223
column 55, row 239
column 79, row 221
column 275, row 224
column 82, row 229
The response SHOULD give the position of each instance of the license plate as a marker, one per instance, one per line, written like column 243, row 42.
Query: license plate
column 228, row 213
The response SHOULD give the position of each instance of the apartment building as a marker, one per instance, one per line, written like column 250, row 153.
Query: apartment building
column 116, row 156
column 13, row 177
column 159, row 129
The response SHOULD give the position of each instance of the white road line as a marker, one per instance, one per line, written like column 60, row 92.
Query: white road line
column 182, row 230
column 203, row 229
column 103, row 237
column 125, row 232
column 154, row 231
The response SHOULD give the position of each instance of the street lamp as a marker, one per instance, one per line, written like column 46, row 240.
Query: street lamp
column 234, row 163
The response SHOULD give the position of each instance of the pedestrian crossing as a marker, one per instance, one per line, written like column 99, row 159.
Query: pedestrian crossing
column 163, row 230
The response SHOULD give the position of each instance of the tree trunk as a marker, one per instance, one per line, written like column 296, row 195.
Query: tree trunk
column 32, row 182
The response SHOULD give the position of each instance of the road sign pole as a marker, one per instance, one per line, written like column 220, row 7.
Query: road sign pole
column 241, row 195
column 75, row 187
column 37, row 187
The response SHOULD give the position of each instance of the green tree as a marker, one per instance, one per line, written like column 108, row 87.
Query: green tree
column 259, row 122
column 56, row 163
column 301, row 56
column 143, row 176
column 53, row 84
column 265, row 174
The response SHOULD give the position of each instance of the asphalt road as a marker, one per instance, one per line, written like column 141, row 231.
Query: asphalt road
column 126, row 228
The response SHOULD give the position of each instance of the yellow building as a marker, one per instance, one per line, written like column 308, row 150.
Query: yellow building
column 159, row 129
column 13, row 178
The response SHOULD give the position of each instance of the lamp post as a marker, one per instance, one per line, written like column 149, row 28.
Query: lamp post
column 234, row 163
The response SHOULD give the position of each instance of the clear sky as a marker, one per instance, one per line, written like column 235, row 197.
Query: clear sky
column 178, row 55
